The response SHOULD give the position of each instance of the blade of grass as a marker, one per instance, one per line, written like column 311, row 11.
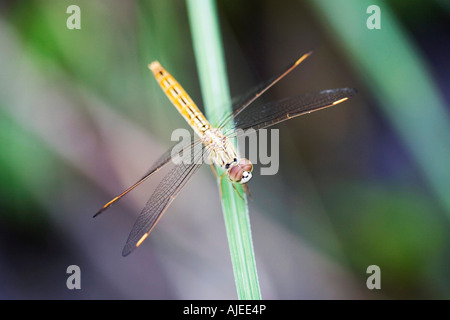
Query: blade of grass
column 216, row 97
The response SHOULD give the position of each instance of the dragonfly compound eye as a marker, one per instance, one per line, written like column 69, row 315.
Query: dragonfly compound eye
column 246, row 165
column 235, row 174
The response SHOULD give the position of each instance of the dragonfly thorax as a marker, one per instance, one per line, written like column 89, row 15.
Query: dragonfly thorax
column 223, row 154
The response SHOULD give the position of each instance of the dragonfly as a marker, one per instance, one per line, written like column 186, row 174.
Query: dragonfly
column 214, row 141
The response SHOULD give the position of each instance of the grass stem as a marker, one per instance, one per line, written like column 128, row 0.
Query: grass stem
column 216, row 97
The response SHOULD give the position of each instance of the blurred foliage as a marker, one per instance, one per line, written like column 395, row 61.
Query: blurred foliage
column 16, row 174
column 398, row 228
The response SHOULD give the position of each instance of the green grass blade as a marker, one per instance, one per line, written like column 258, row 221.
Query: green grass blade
column 216, row 97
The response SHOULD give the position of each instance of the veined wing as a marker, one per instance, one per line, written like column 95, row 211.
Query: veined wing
column 258, row 117
column 247, row 99
column 160, row 200
column 161, row 162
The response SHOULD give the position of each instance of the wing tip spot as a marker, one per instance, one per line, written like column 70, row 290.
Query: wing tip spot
column 339, row 101
column 109, row 203
column 142, row 239
column 303, row 57
column 105, row 206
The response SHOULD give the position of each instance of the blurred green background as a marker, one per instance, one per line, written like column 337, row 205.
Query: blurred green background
column 365, row 183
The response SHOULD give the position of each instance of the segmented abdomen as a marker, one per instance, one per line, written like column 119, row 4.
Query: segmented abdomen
column 180, row 99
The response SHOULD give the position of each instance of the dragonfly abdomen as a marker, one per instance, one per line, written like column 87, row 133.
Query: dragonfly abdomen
column 222, row 151
column 180, row 99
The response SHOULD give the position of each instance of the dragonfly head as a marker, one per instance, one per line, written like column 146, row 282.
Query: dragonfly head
column 240, row 171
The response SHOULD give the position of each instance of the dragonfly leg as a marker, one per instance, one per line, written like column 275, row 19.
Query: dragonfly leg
column 244, row 186
column 217, row 177
column 213, row 168
column 247, row 191
column 240, row 196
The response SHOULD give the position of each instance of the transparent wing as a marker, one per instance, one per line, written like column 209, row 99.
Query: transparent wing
column 251, row 96
column 258, row 117
column 160, row 200
column 177, row 150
